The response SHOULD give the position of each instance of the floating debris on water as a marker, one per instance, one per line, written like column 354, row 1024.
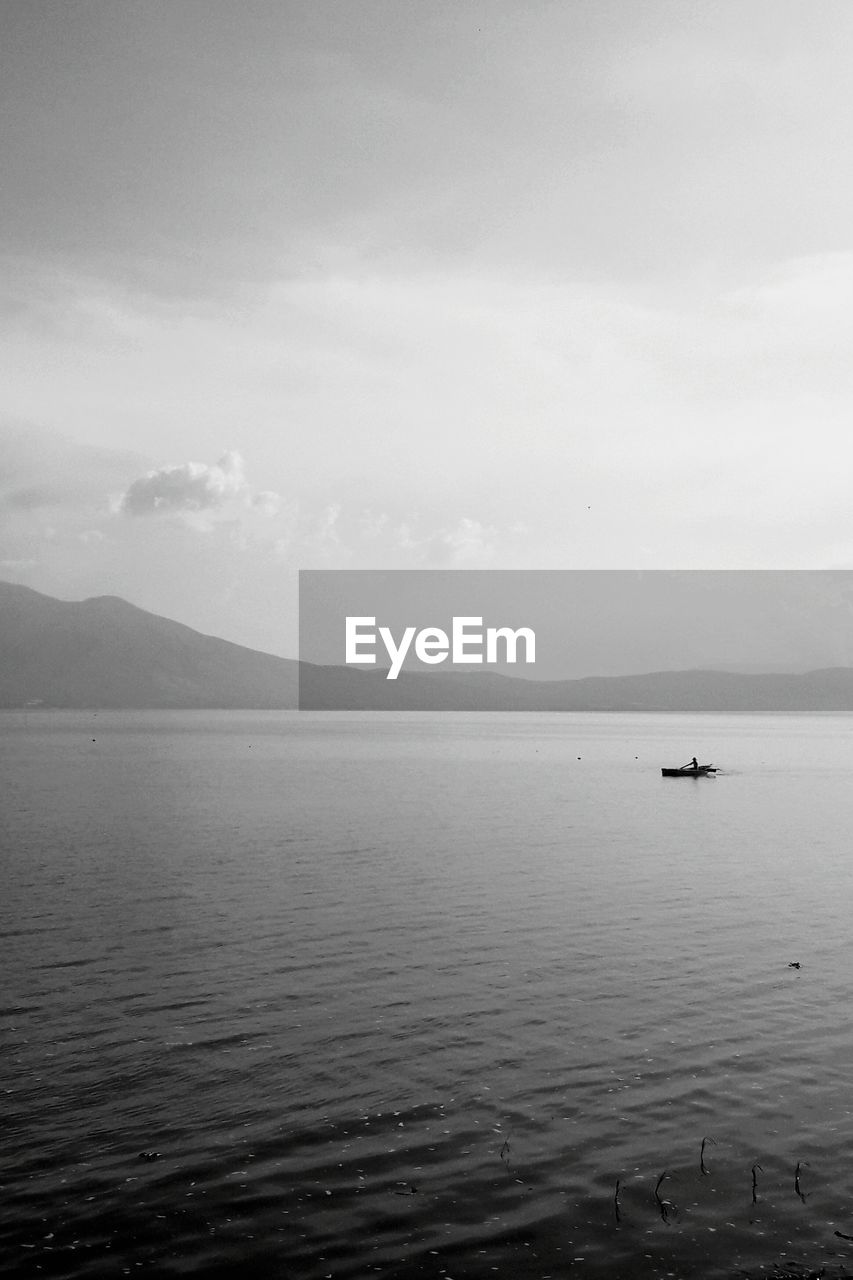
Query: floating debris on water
column 702, row 1167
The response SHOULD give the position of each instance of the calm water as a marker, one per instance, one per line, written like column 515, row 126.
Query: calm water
column 404, row 996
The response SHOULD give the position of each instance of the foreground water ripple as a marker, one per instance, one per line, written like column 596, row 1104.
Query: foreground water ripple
column 413, row 996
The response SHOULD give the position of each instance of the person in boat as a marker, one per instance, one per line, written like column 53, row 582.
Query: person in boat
column 694, row 764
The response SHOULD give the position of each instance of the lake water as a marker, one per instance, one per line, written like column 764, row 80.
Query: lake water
column 407, row 995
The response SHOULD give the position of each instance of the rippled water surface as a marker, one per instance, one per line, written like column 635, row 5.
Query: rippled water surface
column 425, row 996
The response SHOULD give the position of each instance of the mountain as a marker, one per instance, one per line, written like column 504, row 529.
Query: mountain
column 104, row 652
column 341, row 688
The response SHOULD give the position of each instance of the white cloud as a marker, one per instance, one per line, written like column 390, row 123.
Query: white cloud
column 201, row 496
column 190, row 487
column 468, row 544
column 267, row 502
column 320, row 540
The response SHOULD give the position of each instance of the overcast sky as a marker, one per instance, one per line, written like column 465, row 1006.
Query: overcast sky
column 416, row 283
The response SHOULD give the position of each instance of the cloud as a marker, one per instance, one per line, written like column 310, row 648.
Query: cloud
column 41, row 469
column 202, row 497
column 190, row 487
column 18, row 566
column 322, row 540
column 267, row 502
column 469, row 543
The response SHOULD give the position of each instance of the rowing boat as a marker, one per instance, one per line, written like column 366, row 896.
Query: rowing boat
column 687, row 771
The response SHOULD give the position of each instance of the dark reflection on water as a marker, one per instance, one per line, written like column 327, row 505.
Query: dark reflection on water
column 316, row 996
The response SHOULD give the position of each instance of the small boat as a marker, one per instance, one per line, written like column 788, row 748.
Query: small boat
column 690, row 771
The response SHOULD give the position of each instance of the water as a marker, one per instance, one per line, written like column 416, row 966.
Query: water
column 405, row 996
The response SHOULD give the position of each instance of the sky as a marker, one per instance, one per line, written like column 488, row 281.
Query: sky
column 419, row 284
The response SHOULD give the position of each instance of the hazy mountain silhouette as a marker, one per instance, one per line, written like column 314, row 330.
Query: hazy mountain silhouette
column 339, row 688
column 104, row 652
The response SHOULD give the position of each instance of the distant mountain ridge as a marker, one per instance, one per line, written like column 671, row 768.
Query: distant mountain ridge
column 104, row 652
column 701, row 692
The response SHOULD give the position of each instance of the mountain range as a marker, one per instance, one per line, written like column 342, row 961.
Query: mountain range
column 106, row 653
column 339, row 688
